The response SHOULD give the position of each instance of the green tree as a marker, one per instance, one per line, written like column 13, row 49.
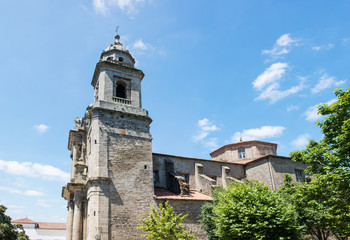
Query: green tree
column 249, row 210
column 165, row 225
column 324, row 203
column 9, row 231
column 322, row 208
column 333, row 151
column 207, row 220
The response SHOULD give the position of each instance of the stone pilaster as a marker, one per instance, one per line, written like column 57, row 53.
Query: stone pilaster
column 77, row 220
column 69, row 228
column 98, row 209
column 74, row 159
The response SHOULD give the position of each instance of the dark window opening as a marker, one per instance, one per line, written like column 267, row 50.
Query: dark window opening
column 213, row 177
column 155, row 176
column 241, row 153
column 120, row 59
column 299, row 175
column 186, row 176
column 121, row 93
column 145, row 166
column 109, row 58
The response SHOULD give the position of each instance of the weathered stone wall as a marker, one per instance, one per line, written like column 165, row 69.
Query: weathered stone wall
column 280, row 166
column 253, row 149
column 259, row 170
column 131, row 190
column 128, row 151
column 193, row 209
column 110, row 75
column 271, row 170
column 184, row 165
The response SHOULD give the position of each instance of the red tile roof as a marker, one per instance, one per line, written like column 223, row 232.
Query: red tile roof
column 41, row 225
column 24, row 221
column 162, row 193
column 241, row 143
column 247, row 161
column 50, row 225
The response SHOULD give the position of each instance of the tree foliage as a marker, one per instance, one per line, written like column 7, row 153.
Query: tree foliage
column 333, row 151
column 249, row 210
column 207, row 220
column 9, row 231
column 323, row 204
column 165, row 225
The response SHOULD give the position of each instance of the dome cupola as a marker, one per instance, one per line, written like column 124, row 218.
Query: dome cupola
column 118, row 54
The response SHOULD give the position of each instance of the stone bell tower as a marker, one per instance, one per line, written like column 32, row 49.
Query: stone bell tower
column 111, row 183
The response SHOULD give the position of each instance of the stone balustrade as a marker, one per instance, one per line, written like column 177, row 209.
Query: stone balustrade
column 121, row 100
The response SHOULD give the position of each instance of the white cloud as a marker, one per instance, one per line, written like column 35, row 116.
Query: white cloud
column 30, row 169
column 33, row 193
column 258, row 133
column 15, row 206
column 292, row 108
column 268, row 83
column 311, row 113
column 139, row 44
column 100, row 7
column 18, row 209
column 326, row 81
column 273, row 94
column 26, row 193
column 282, row 46
column 130, row 6
column 140, row 47
column 323, row 47
column 41, row 128
column 211, row 143
column 272, row 74
column 205, row 127
column 301, row 141
column 43, row 203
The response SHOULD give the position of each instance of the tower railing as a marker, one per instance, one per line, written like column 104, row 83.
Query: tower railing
column 121, row 100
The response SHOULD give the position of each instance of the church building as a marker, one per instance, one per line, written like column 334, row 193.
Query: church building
column 115, row 176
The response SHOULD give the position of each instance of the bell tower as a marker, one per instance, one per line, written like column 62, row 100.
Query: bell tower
column 115, row 78
column 112, row 175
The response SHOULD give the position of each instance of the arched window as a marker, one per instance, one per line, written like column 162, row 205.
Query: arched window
column 120, row 91
column 241, row 153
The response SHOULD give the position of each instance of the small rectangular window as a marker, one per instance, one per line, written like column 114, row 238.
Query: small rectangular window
column 156, row 176
column 299, row 175
column 241, row 153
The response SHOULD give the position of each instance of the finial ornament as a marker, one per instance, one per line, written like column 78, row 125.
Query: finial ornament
column 117, row 37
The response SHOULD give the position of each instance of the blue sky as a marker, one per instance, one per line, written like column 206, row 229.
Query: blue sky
column 214, row 71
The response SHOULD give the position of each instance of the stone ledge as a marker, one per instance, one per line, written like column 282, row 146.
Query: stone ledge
column 163, row 194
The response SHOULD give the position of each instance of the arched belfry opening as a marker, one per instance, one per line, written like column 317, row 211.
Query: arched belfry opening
column 120, row 91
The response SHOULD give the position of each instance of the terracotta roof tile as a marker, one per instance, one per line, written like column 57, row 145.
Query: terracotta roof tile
column 50, row 225
column 241, row 143
column 247, row 161
column 41, row 225
column 24, row 221
column 162, row 193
